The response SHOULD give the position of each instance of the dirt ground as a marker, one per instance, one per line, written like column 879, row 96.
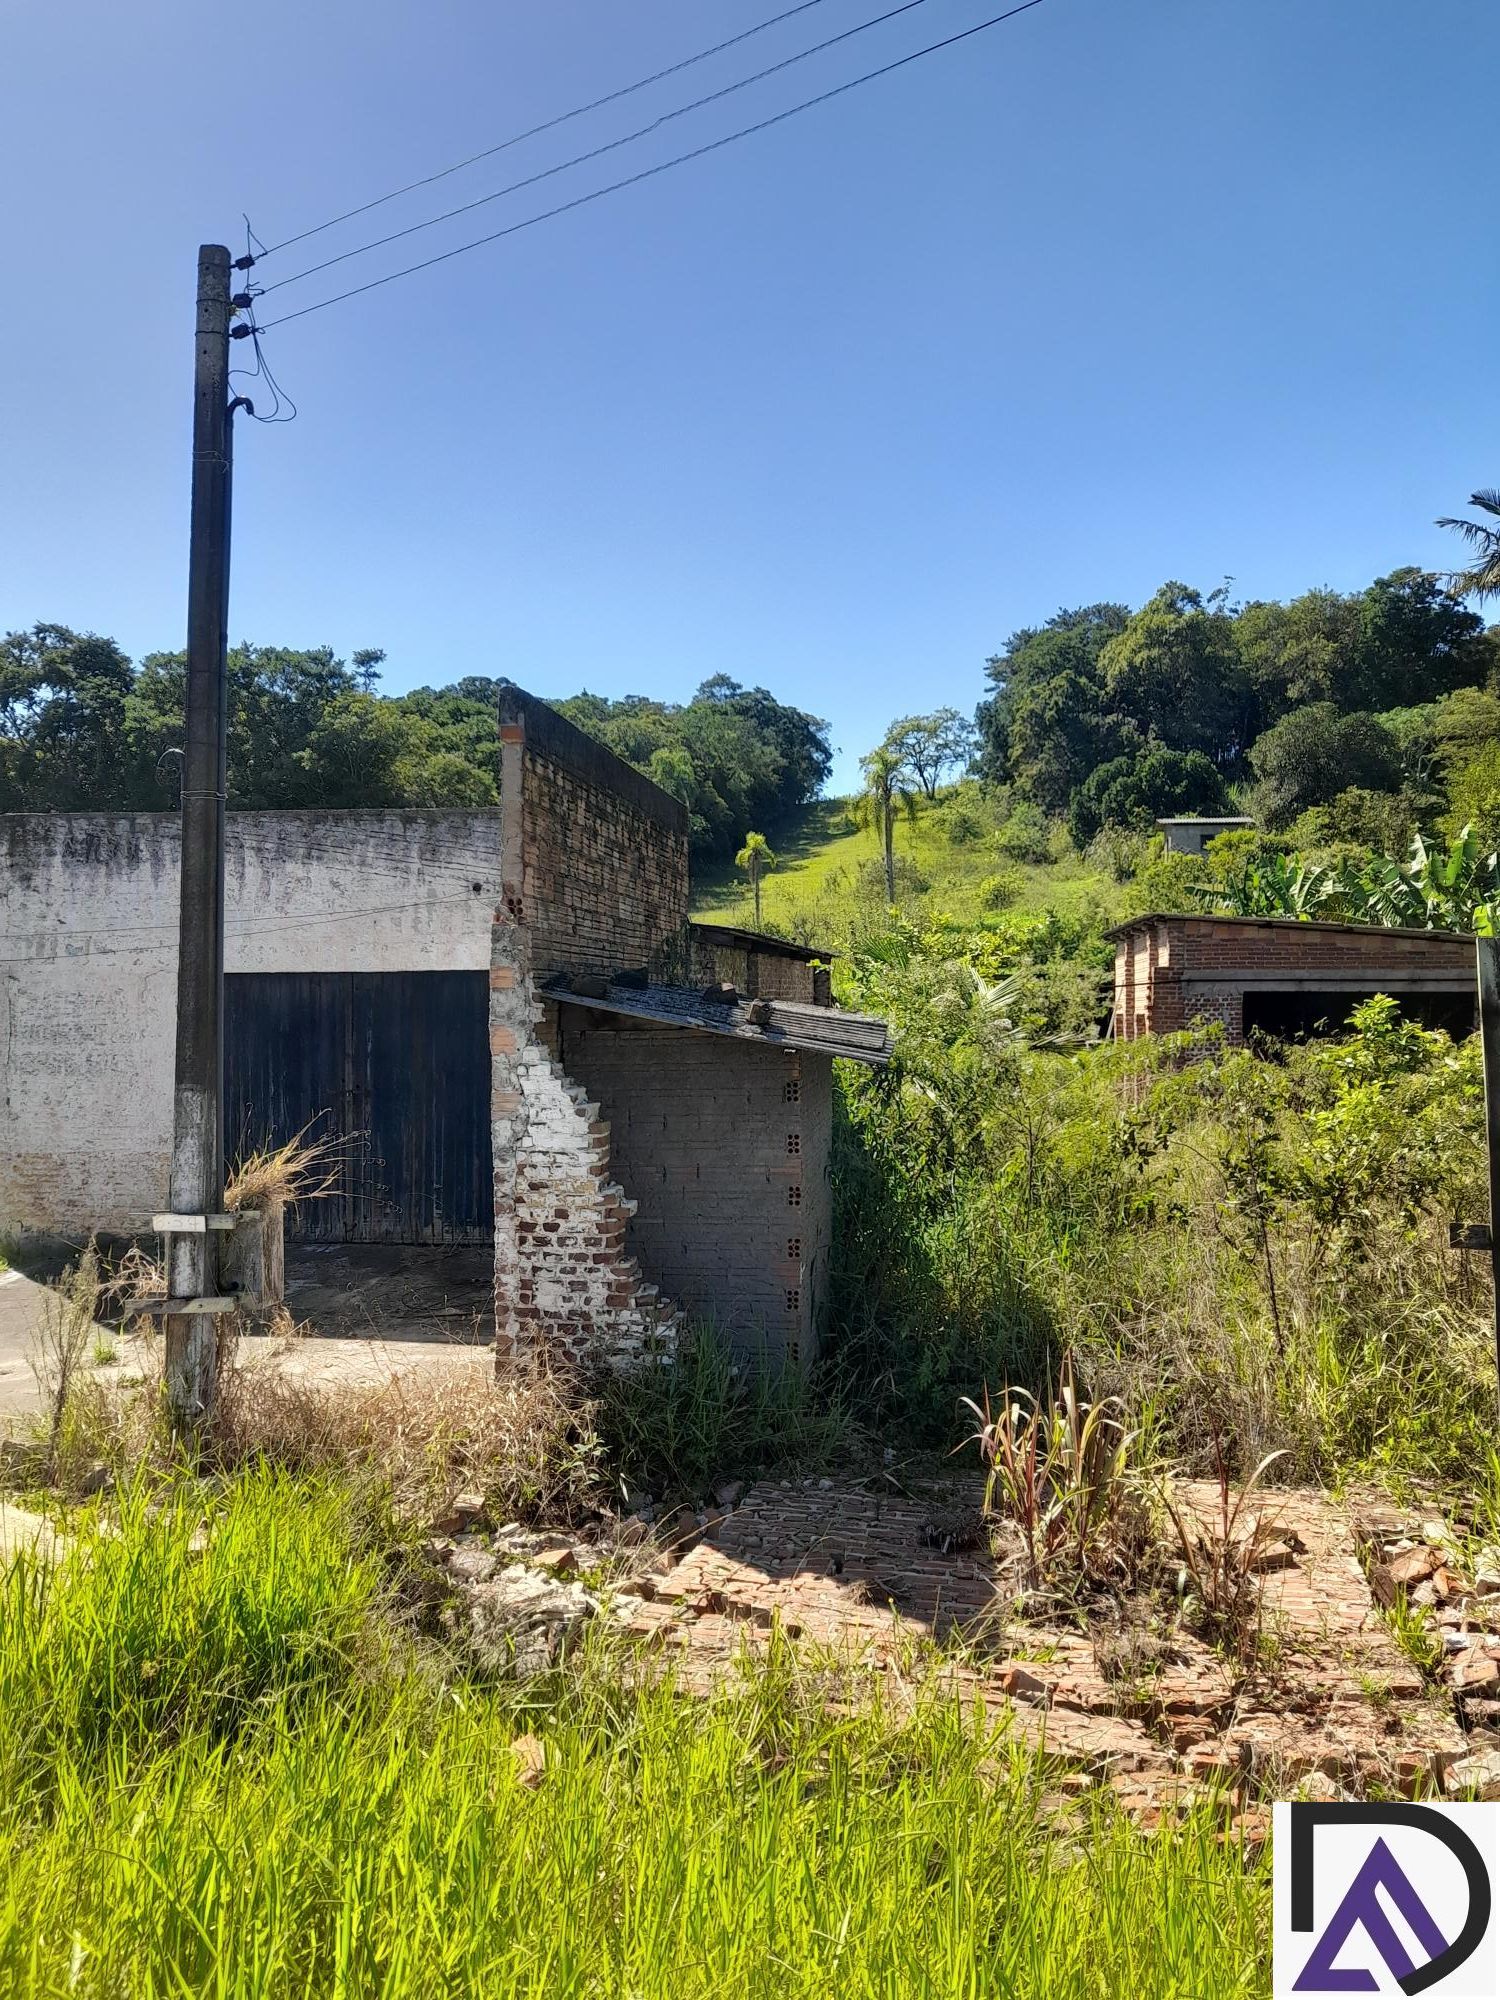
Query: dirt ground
column 371, row 1310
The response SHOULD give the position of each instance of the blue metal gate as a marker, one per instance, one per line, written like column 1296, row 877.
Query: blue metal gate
column 394, row 1068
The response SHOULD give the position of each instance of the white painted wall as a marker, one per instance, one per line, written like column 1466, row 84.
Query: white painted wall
column 88, row 971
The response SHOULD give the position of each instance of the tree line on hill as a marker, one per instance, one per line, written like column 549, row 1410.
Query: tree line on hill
column 1109, row 717
column 83, row 728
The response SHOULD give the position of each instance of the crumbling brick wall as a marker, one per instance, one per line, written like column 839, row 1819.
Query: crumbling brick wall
column 594, row 880
column 724, row 1146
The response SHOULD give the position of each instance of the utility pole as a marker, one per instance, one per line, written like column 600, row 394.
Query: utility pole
column 193, row 1228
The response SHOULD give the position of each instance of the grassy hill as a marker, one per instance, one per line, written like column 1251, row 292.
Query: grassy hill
column 963, row 857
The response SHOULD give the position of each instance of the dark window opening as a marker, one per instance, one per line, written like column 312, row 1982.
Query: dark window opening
column 1301, row 1017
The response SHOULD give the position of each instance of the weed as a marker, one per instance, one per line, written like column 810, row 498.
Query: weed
column 1413, row 1632
column 1062, row 1473
column 271, row 1179
column 710, row 1416
column 1222, row 1560
column 60, row 1343
column 526, row 1442
column 211, row 1783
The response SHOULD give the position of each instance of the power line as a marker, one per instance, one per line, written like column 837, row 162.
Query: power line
column 547, row 125
column 662, row 167
column 597, row 152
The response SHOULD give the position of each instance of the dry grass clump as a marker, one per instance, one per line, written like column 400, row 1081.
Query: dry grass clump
column 275, row 1178
column 526, row 1443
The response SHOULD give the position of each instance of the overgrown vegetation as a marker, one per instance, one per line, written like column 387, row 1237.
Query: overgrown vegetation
column 1220, row 1239
column 226, row 1769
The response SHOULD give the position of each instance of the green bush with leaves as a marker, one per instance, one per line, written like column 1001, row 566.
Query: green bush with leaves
column 1223, row 1240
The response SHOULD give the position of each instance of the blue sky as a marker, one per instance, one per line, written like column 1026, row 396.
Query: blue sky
column 1111, row 294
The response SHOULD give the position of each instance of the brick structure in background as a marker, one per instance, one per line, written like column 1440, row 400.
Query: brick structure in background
column 762, row 968
column 658, row 1149
column 1282, row 976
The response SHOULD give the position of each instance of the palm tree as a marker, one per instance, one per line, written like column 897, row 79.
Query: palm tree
column 1482, row 576
column 756, row 859
column 884, row 772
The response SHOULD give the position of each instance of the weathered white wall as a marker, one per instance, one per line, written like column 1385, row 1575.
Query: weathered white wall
column 88, row 971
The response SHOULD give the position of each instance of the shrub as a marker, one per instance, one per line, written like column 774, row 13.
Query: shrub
column 1025, row 835
column 1000, row 890
column 962, row 824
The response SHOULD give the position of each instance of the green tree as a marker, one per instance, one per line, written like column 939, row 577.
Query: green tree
column 1417, row 641
column 1304, row 651
column 930, row 745
column 1044, row 724
column 672, row 768
column 1480, row 577
column 1137, row 790
column 1175, row 672
column 63, row 697
column 755, row 859
column 1314, row 753
column 735, row 755
column 885, row 776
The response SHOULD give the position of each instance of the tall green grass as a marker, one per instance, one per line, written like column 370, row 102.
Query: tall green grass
column 710, row 1417
column 316, row 1826
column 180, row 1611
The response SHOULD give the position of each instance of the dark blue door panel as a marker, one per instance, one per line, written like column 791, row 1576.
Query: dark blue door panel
column 394, row 1067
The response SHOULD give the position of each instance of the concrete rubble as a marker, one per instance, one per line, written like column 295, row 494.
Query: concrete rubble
column 516, row 1605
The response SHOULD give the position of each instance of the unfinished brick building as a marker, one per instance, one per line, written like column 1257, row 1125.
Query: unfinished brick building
column 661, row 1139
column 1280, row 976
column 503, row 1018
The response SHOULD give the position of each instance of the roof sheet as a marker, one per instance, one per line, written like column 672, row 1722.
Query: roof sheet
column 778, row 947
column 1308, row 924
column 788, row 1024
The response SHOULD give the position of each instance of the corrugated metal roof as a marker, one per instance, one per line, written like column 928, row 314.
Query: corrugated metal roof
column 788, row 1024
column 778, row 947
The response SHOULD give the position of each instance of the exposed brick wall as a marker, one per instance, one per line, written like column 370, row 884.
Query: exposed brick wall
column 1173, row 971
column 766, row 974
column 724, row 1147
column 600, row 853
column 566, row 1285
column 593, row 878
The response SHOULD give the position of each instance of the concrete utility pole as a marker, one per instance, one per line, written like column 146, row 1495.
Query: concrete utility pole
column 192, row 1230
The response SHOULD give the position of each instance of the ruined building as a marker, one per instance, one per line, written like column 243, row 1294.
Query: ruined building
column 1282, row 976
column 504, row 1017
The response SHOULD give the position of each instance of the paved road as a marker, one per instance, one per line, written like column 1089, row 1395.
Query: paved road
column 21, row 1303
column 414, row 1345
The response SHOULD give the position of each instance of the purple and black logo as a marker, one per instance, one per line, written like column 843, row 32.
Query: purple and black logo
column 1385, row 1899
